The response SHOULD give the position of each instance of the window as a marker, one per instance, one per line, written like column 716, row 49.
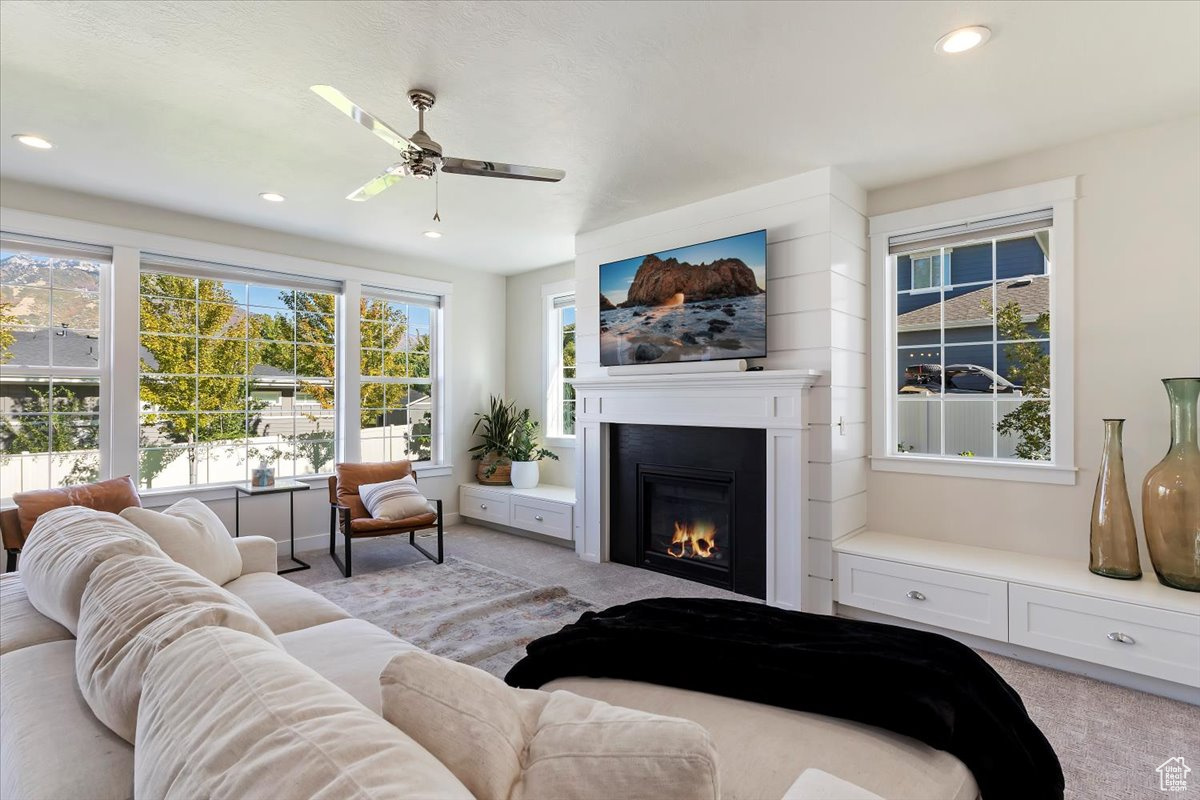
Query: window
column 398, row 346
column 974, row 368
column 926, row 270
column 560, row 370
column 51, row 345
column 236, row 368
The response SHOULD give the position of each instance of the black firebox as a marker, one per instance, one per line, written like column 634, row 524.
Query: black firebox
column 690, row 502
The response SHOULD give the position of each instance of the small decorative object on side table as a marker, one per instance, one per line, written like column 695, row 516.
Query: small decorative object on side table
column 291, row 487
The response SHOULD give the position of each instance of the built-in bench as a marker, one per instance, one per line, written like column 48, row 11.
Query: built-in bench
column 1046, row 605
column 546, row 509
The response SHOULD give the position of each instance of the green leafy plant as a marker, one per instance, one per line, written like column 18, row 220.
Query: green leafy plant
column 524, row 446
column 496, row 430
column 1030, row 421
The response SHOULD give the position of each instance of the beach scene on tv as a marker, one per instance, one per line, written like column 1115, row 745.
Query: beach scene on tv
column 702, row 302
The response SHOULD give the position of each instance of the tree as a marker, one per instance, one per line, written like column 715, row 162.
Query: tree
column 1030, row 367
column 568, row 361
column 7, row 339
column 183, row 410
column 48, row 424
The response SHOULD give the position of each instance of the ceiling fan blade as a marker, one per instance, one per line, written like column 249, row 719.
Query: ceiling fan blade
column 374, row 186
column 493, row 169
column 368, row 121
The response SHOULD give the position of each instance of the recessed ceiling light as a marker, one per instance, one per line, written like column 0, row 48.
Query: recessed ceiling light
column 433, row 234
column 36, row 142
column 272, row 197
column 963, row 39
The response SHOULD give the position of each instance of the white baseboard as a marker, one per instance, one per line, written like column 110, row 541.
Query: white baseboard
column 1130, row 680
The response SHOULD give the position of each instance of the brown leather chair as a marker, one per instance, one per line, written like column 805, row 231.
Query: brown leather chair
column 348, row 515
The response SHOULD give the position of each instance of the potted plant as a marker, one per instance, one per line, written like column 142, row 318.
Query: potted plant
column 525, row 453
column 496, row 429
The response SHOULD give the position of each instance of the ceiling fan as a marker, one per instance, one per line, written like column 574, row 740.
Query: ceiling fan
column 420, row 156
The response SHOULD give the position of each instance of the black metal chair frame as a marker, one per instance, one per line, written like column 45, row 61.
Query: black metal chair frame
column 339, row 520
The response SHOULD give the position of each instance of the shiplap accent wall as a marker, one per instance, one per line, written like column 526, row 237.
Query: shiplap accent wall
column 817, row 319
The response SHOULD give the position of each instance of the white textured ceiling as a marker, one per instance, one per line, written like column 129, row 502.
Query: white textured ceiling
column 199, row 106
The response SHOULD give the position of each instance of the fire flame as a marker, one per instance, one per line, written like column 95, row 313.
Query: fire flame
column 693, row 540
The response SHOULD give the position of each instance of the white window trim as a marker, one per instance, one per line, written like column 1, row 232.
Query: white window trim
column 119, row 373
column 1060, row 195
column 552, row 359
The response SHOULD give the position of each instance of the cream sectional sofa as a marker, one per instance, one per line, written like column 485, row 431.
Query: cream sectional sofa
column 52, row 746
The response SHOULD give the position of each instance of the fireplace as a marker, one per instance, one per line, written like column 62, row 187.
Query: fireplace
column 690, row 502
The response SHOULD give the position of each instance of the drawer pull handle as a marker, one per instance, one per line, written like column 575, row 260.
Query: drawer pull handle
column 483, row 506
column 538, row 517
column 1123, row 638
column 915, row 595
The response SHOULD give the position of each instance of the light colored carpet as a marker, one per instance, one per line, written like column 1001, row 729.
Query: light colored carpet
column 458, row 610
column 1109, row 739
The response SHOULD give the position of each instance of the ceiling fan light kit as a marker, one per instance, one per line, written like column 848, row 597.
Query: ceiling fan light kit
column 420, row 156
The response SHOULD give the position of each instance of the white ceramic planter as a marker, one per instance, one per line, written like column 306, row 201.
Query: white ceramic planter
column 524, row 474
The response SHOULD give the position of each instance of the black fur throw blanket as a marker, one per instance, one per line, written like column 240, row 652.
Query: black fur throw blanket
column 918, row 684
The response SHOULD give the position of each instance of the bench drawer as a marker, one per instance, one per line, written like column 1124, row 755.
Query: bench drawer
column 550, row 519
column 952, row 600
column 481, row 504
column 1149, row 641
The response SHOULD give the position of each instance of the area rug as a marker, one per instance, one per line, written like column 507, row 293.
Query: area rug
column 458, row 609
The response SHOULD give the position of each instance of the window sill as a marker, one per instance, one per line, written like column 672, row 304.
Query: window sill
column 561, row 441
column 989, row 470
column 161, row 498
column 434, row 470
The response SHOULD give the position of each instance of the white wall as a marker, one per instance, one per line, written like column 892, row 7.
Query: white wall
column 523, row 372
column 476, row 358
column 816, row 307
column 1137, row 319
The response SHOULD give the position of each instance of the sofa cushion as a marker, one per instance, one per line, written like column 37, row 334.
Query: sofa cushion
column 283, row 605
column 764, row 748
column 113, row 496
column 51, row 745
column 226, row 715
column 64, row 547
column 192, row 534
column 22, row 625
column 349, row 653
column 133, row 607
column 530, row 744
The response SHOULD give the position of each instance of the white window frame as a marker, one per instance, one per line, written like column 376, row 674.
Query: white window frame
column 1060, row 196
column 943, row 257
column 436, row 365
column 552, row 362
column 120, row 296
column 101, row 372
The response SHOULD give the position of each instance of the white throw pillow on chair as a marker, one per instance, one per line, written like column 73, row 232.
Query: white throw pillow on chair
column 398, row 499
column 193, row 535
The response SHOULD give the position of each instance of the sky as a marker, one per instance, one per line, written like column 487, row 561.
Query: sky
column 751, row 248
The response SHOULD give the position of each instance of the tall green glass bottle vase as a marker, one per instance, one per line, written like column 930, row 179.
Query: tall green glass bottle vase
column 1114, row 535
column 1171, row 495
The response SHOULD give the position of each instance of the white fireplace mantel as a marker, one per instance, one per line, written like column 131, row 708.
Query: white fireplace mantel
column 770, row 400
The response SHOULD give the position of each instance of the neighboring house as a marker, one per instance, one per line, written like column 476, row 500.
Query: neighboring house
column 968, row 322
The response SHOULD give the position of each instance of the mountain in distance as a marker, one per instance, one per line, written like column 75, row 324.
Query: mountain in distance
column 657, row 282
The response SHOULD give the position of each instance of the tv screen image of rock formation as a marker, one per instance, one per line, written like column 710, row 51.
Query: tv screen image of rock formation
column 702, row 302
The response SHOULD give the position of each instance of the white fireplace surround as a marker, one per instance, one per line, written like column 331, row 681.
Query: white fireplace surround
column 771, row 400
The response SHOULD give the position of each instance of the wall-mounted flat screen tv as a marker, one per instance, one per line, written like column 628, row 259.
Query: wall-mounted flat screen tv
column 702, row 302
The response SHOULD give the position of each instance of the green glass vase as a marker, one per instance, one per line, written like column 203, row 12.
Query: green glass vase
column 1114, row 535
column 1171, row 495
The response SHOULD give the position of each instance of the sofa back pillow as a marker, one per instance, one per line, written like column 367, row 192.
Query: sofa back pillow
column 113, row 496
column 133, row 607
column 192, row 534
column 63, row 549
column 527, row 744
column 226, row 715
column 398, row 499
